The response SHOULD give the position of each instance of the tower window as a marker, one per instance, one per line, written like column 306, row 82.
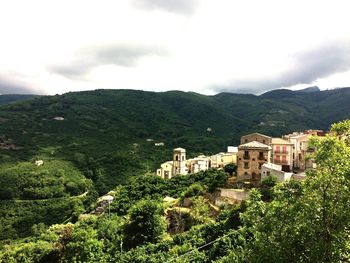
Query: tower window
column 176, row 158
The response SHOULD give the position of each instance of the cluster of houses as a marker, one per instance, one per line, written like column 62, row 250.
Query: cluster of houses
column 256, row 157
column 182, row 166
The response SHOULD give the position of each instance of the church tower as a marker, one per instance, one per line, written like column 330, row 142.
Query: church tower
column 179, row 161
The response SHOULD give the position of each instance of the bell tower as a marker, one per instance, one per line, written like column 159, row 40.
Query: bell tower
column 179, row 161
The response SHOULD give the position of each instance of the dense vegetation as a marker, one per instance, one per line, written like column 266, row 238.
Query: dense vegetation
column 45, row 194
column 102, row 140
column 303, row 222
column 104, row 132
column 8, row 98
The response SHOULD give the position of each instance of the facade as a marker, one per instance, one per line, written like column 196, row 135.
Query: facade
column 221, row 159
column 251, row 156
column 258, row 137
column 282, row 153
column 197, row 164
column 275, row 170
column 166, row 170
column 301, row 151
column 179, row 161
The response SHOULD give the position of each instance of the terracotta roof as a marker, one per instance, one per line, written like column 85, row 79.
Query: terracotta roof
column 256, row 133
column 279, row 141
column 254, row 144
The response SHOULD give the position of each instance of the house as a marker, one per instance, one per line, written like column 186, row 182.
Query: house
column 197, row 164
column 159, row 144
column 258, row 137
column 282, row 153
column 251, row 156
column 39, row 162
column 301, row 150
column 166, row 170
column 58, row 118
column 275, row 170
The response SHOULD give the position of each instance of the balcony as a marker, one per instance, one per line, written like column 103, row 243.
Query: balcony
column 281, row 152
column 278, row 161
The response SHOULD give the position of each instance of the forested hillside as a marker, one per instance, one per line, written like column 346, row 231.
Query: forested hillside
column 295, row 221
column 108, row 136
column 104, row 132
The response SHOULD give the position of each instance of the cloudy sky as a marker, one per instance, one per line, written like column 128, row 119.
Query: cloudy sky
column 206, row 46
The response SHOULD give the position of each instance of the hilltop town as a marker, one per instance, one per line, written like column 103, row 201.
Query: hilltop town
column 257, row 157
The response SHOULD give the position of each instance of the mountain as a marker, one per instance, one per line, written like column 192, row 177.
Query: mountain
column 310, row 89
column 108, row 133
column 7, row 98
column 94, row 140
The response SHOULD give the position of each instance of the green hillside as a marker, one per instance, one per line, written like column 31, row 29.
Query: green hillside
column 95, row 140
column 104, row 132
column 45, row 195
column 8, row 98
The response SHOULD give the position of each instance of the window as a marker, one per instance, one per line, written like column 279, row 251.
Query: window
column 260, row 164
column 284, row 149
column 264, row 142
column 246, row 140
column 246, row 155
column 278, row 149
column 246, row 165
column 261, row 155
column 278, row 158
column 183, row 158
column 284, row 159
column 176, row 158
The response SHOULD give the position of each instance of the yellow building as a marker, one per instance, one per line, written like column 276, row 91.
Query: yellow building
column 166, row 170
column 251, row 156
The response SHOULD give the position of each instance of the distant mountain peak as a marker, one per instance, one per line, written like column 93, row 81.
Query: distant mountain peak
column 310, row 89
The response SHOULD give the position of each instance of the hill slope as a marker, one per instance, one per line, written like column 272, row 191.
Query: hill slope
column 104, row 132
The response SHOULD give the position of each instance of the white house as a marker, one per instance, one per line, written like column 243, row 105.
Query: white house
column 275, row 170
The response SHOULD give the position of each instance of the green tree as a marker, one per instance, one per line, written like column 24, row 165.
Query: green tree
column 309, row 221
column 146, row 223
column 230, row 168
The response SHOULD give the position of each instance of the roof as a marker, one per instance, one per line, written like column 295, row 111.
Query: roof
column 254, row 145
column 168, row 199
column 180, row 149
column 168, row 163
column 256, row 133
column 280, row 141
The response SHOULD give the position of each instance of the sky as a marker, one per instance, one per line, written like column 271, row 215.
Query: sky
column 205, row 46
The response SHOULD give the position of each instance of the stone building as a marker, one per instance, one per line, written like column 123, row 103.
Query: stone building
column 251, row 156
column 258, row 137
column 179, row 161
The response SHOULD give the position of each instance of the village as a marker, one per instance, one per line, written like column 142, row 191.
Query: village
column 257, row 157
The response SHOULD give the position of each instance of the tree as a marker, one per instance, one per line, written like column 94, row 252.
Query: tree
column 146, row 223
column 308, row 221
column 230, row 168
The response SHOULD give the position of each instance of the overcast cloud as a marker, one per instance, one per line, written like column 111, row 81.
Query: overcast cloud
column 306, row 67
column 204, row 46
column 8, row 87
column 123, row 55
column 186, row 7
